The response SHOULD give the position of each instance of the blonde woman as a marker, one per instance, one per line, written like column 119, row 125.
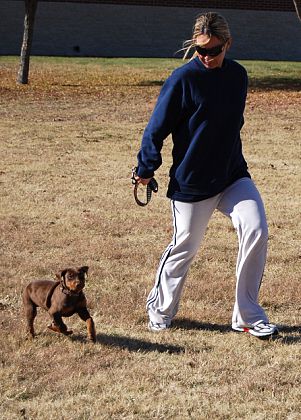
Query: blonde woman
column 202, row 104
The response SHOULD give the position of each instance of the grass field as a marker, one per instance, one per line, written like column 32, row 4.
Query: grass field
column 68, row 142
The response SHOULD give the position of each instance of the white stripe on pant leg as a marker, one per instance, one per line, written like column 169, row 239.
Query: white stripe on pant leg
column 154, row 292
column 190, row 222
column 249, row 275
column 242, row 202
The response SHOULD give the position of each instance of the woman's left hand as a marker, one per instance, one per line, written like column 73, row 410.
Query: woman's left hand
column 143, row 181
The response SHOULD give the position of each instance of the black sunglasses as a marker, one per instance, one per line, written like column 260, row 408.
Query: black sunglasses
column 212, row 52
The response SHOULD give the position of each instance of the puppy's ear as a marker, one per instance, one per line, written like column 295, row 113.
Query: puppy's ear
column 84, row 269
column 61, row 275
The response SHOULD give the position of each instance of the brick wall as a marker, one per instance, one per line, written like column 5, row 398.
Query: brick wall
column 107, row 30
column 276, row 5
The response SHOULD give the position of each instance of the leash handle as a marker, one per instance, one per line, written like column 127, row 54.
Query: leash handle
column 151, row 187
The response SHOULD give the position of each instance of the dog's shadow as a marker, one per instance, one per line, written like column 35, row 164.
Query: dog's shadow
column 132, row 344
column 136, row 345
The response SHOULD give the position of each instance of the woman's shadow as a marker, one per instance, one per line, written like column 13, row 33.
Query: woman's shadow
column 284, row 335
column 285, row 332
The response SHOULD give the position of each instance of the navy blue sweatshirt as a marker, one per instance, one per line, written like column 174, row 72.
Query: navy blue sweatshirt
column 203, row 110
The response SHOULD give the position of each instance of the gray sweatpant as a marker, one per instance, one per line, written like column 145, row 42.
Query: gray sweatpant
column 241, row 202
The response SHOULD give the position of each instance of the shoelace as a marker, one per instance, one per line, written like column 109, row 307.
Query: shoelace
column 151, row 187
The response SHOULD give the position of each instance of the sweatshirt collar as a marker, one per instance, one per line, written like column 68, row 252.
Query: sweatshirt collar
column 217, row 69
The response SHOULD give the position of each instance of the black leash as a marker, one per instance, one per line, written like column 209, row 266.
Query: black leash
column 151, row 187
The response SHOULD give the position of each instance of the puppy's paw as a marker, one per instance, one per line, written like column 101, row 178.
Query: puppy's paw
column 57, row 329
column 54, row 328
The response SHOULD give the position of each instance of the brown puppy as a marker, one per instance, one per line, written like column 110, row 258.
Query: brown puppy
column 61, row 298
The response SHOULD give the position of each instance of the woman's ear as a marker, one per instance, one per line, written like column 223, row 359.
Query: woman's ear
column 229, row 43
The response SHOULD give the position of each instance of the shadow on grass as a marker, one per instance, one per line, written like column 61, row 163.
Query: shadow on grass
column 130, row 344
column 133, row 344
column 290, row 329
column 188, row 324
column 263, row 84
column 151, row 83
column 275, row 83
column 283, row 336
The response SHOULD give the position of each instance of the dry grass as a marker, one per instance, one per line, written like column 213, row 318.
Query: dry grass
column 68, row 142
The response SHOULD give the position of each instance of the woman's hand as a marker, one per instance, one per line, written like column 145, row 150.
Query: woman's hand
column 143, row 181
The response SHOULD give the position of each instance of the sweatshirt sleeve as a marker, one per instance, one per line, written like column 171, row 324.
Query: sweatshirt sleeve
column 163, row 119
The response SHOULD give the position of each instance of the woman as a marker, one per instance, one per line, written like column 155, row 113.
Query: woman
column 201, row 104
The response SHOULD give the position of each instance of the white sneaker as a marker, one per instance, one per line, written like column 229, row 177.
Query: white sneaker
column 258, row 329
column 157, row 327
column 263, row 329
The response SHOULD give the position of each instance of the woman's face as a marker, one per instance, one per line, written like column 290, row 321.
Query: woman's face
column 206, row 44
